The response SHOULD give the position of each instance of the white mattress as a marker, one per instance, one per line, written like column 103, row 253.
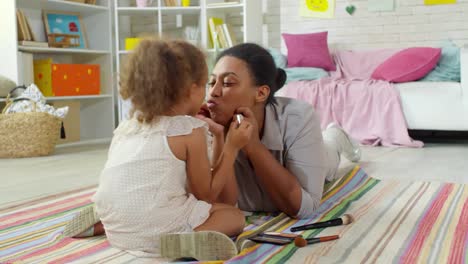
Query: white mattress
column 433, row 105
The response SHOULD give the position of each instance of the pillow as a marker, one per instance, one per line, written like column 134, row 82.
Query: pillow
column 309, row 50
column 408, row 65
column 278, row 57
column 304, row 73
column 448, row 68
column 5, row 86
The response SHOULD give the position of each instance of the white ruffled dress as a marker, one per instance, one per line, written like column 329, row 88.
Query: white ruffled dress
column 143, row 188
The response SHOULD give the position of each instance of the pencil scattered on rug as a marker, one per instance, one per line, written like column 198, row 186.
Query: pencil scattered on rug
column 403, row 222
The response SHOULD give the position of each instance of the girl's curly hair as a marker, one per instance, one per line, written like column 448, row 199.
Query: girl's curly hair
column 157, row 75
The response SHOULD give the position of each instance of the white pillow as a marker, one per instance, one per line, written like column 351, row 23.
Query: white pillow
column 5, row 86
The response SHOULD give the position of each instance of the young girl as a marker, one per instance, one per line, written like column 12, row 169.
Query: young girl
column 158, row 178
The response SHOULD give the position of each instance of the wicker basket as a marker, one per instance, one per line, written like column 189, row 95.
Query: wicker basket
column 28, row 134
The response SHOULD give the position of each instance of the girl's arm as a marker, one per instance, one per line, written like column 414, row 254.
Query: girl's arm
column 206, row 184
column 218, row 144
column 230, row 192
column 216, row 130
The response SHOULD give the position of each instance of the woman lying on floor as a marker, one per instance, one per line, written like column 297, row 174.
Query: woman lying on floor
column 288, row 159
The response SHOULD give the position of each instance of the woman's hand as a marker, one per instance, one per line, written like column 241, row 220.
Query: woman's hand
column 238, row 135
column 216, row 129
column 255, row 138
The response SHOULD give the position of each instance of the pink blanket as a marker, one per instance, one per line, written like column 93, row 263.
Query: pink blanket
column 369, row 110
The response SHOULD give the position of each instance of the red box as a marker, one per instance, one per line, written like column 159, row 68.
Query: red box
column 75, row 79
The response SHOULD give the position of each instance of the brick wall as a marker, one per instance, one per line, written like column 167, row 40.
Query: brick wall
column 272, row 22
column 411, row 24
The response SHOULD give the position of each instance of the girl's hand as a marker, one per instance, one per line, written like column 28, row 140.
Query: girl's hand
column 255, row 138
column 216, row 129
column 204, row 111
column 239, row 135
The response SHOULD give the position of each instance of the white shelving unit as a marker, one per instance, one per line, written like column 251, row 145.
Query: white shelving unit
column 97, row 112
column 131, row 21
column 68, row 98
column 61, row 50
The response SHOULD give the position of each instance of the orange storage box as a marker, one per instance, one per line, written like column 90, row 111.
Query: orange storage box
column 66, row 79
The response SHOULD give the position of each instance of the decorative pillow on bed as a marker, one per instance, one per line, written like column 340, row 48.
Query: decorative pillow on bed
column 280, row 59
column 309, row 50
column 304, row 74
column 448, row 68
column 408, row 65
column 296, row 73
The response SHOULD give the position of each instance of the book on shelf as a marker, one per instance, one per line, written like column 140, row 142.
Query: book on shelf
column 28, row 26
column 28, row 43
column 24, row 28
column 170, row 3
column 212, row 23
column 21, row 27
column 89, row 2
column 221, row 37
column 225, row 36
column 224, row 3
column 229, row 35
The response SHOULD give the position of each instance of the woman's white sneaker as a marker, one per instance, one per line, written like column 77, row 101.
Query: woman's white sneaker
column 345, row 145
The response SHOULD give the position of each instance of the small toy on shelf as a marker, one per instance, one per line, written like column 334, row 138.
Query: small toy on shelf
column 131, row 43
column 63, row 40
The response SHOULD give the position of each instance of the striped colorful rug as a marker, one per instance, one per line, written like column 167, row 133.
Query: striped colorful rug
column 395, row 222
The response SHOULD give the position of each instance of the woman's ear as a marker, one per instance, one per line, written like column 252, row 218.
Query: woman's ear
column 262, row 94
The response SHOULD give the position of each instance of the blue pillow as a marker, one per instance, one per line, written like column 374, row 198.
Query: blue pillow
column 299, row 73
column 448, row 67
column 304, row 73
column 280, row 60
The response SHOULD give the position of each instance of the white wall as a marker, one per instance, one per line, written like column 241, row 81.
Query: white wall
column 411, row 23
column 8, row 46
column 272, row 23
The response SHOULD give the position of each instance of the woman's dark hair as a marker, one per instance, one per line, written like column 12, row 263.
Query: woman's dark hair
column 261, row 66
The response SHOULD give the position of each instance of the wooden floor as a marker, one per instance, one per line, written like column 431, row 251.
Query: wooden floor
column 67, row 169
column 79, row 166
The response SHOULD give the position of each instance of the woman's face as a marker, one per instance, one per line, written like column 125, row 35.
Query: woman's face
column 230, row 86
